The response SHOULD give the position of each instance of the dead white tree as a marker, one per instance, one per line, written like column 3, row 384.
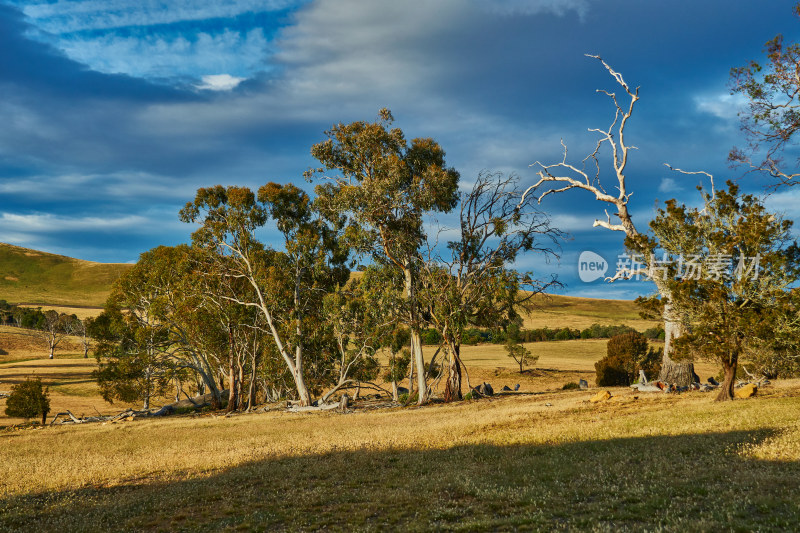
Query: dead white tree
column 568, row 176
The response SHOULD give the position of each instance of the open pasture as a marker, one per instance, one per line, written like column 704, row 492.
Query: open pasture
column 530, row 461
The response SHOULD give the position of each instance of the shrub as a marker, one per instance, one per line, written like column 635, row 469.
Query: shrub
column 570, row 386
column 562, row 335
column 28, row 399
column 430, row 337
column 626, row 354
column 473, row 336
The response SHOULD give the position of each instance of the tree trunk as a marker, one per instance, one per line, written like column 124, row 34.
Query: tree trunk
column 679, row 373
column 452, row 389
column 411, row 375
column 422, row 385
column 416, row 341
column 394, row 391
column 231, row 372
column 302, row 390
column 726, row 389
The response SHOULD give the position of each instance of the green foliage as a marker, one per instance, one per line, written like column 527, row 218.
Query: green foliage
column 398, row 365
column 520, row 354
column 655, row 334
column 133, row 364
column 750, row 303
column 431, row 337
column 772, row 116
column 626, row 354
column 28, row 400
column 384, row 187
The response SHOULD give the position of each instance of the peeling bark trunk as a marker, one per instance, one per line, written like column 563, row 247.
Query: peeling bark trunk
column 410, row 376
column 452, row 390
column 679, row 373
column 394, row 391
column 726, row 389
column 231, row 373
column 416, row 341
column 422, row 386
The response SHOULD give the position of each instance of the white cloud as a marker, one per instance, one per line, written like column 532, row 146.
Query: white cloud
column 669, row 186
column 171, row 56
column 49, row 224
column 786, row 202
column 67, row 16
column 722, row 105
column 534, row 7
column 219, row 82
column 82, row 188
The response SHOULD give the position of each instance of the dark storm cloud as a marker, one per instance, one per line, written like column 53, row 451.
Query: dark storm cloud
column 497, row 84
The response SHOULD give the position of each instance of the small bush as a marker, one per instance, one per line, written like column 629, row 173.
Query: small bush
column 626, row 354
column 430, row 337
column 570, row 386
column 404, row 398
column 28, row 400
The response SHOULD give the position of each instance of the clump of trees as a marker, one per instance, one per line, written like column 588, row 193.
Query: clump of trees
column 244, row 321
column 50, row 327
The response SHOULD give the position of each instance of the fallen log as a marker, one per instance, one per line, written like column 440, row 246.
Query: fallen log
column 74, row 419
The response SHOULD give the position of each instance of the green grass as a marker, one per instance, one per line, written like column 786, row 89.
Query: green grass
column 32, row 277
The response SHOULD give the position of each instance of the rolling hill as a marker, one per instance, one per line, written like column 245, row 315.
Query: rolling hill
column 40, row 278
column 34, row 277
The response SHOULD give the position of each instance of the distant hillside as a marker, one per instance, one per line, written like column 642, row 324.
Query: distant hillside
column 33, row 277
column 556, row 311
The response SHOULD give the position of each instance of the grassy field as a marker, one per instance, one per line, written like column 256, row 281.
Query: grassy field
column 518, row 461
column 33, row 277
column 556, row 311
column 541, row 458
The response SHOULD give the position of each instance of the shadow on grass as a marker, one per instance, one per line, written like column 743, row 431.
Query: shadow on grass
column 687, row 482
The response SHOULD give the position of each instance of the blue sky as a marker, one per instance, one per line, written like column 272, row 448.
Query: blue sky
column 114, row 112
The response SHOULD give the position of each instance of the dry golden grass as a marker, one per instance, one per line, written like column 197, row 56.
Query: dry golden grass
column 80, row 312
column 70, row 383
column 659, row 462
column 20, row 344
column 555, row 311
column 540, row 459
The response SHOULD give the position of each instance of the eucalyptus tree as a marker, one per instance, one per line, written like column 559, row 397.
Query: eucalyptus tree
column 362, row 315
column 157, row 322
column 771, row 119
column 384, row 185
column 743, row 295
column 285, row 287
column 132, row 355
column 474, row 283
column 566, row 175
